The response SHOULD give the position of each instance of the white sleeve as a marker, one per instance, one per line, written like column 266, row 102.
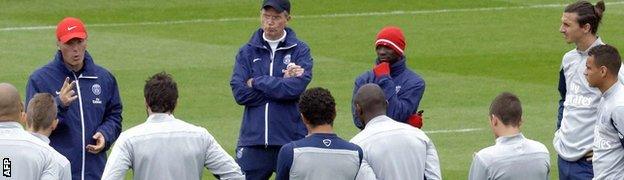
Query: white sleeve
column 119, row 161
column 220, row 162
column 64, row 167
column 477, row 169
column 621, row 74
column 365, row 172
column 65, row 173
column 432, row 165
column 51, row 168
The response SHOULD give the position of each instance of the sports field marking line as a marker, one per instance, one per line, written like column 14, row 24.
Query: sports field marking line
column 453, row 130
column 389, row 13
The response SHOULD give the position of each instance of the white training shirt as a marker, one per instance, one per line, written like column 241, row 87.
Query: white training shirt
column 23, row 156
column 608, row 160
column 396, row 150
column 62, row 162
column 575, row 137
column 167, row 148
column 512, row 157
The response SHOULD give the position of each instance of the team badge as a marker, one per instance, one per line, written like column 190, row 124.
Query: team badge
column 327, row 142
column 287, row 59
column 97, row 90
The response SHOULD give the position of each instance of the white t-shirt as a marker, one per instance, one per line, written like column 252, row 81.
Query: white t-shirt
column 273, row 43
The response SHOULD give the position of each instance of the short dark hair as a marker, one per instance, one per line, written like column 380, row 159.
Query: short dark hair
column 41, row 111
column 608, row 56
column 507, row 108
column 587, row 13
column 318, row 106
column 161, row 93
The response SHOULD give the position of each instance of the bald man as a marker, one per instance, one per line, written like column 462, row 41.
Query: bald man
column 23, row 155
column 392, row 149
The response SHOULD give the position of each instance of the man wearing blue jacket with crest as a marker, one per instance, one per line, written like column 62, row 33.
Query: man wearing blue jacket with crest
column 270, row 73
column 89, row 106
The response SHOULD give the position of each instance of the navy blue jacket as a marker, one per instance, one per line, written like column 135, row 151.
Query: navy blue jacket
column 562, row 93
column 403, row 89
column 97, row 109
column 271, row 116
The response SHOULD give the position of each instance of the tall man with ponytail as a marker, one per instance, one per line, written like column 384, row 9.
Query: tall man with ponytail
column 578, row 105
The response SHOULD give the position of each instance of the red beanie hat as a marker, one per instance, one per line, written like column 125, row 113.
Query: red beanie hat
column 391, row 37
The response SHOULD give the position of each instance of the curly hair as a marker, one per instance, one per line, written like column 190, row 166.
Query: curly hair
column 318, row 106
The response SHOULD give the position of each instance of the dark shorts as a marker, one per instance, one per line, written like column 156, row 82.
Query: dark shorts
column 576, row 170
column 257, row 162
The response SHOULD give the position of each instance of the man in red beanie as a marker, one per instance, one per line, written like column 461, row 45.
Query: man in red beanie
column 402, row 87
column 87, row 98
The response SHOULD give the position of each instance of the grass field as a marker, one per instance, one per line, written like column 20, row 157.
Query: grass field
column 467, row 52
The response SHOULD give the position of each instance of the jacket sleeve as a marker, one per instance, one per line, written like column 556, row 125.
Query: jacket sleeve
column 366, row 172
column 432, row 164
column 219, row 162
column 477, row 169
column 119, row 161
column 284, row 162
column 356, row 120
column 243, row 94
column 65, row 171
column 111, row 125
column 401, row 107
column 32, row 89
column 562, row 93
column 287, row 88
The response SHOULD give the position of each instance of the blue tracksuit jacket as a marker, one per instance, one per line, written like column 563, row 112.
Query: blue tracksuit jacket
column 403, row 89
column 97, row 109
column 270, row 116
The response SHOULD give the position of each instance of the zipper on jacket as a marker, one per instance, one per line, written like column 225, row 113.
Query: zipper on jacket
column 266, row 106
column 82, row 172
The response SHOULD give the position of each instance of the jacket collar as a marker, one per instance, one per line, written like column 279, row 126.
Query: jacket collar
column 44, row 138
column 87, row 69
column 396, row 68
column 160, row 117
column 511, row 139
column 612, row 90
column 259, row 42
column 597, row 42
column 377, row 120
column 11, row 125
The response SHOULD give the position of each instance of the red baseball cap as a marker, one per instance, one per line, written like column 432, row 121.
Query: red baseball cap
column 391, row 37
column 70, row 28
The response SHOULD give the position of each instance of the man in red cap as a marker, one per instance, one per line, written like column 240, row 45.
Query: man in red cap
column 402, row 87
column 87, row 98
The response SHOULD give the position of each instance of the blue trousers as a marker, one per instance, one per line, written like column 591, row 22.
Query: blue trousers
column 577, row 170
column 257, row 162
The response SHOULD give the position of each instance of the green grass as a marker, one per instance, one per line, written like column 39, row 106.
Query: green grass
column 465, row 57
